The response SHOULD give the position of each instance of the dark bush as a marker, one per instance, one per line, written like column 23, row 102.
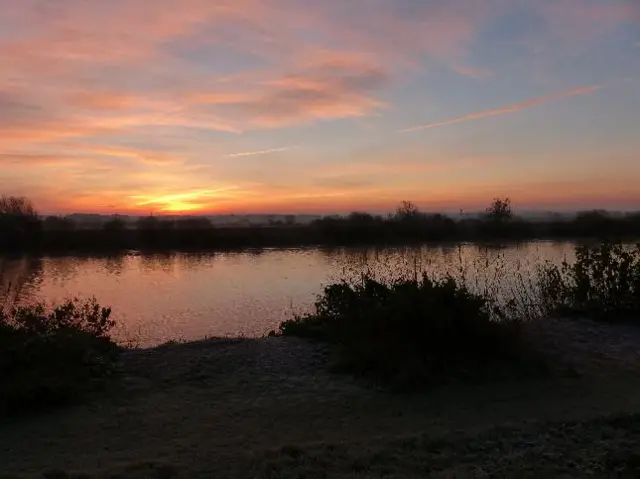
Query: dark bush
column 50, row 357
column 410, row 332
column 603, row 283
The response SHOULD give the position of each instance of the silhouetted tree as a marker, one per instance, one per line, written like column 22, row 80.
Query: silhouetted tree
column 593, row 216
column 500, row 210
column 148, row 223
column 17, row 206
column 358, row 218
column 59, row 223
column 407, row 211
column 19, row 222
column 166, row 225
column 115, row 225
column 594, row 223
column 194, row 224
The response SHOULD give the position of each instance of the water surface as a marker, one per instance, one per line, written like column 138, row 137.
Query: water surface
column 159, row 297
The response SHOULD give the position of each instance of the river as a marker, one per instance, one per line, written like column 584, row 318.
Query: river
column 186, row 296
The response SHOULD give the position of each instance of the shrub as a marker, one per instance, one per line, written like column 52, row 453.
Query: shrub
column 411, row 332
column 52, row 356
column 603, row 283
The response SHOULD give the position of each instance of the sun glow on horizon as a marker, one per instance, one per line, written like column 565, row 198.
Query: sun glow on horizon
column 185, row 202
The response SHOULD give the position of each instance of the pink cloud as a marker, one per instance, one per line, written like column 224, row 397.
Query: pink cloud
column 145, row 156
column 116, row 57
column 103, row 100
column 332, row 86
column 29, row 160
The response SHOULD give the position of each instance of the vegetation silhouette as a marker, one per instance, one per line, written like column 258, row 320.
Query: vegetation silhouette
column 19, row 223
column 603, row 283
column 414, row 332
column 23, row 230
column 52, row 356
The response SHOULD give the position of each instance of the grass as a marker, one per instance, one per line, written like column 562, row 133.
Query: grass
column 603, row 447
column 264, row 409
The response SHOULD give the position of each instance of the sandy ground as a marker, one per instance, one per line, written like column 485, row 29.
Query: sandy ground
column 215, row 408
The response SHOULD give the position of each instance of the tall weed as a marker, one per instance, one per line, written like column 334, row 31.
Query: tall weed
column 603, row 283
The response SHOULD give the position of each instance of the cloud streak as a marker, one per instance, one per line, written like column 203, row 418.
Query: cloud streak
column 259, row 152
column 513, row 108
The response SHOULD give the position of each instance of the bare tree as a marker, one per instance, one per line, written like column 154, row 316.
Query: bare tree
column 17, row 206
column 407, row 211
column 19, row 222
column 500, row 210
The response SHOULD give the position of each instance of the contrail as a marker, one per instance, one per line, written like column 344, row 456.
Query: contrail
column 259, row 152
column 506, row 109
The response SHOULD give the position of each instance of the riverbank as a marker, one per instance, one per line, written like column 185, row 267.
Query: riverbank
column 435, row 229
column 269, row 408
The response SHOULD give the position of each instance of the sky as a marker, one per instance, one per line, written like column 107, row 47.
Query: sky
column 293, row 106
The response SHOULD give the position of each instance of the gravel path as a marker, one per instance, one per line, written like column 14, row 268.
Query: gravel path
column 588, row 347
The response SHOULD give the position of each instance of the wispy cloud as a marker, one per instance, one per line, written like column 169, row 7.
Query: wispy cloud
column 149, row 157
column 513, row 108
column 259, row 152
column 26, row 160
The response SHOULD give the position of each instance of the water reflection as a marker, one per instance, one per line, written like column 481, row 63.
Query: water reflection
column 115, row 265
column 164, row 262
column 23, row 276
column 162, row 296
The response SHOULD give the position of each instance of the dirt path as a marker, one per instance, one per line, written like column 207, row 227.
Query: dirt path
column 208, row 409
column 588, row 347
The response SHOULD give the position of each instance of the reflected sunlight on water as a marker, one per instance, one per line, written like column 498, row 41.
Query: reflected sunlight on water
column 158, row 297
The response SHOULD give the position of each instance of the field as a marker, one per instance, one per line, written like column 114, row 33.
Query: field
column 269, row 408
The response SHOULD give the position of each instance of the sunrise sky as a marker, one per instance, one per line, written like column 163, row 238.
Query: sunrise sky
column 139, row 106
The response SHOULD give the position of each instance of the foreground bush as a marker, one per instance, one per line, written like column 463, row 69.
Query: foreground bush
column 411, row 332
column 53, row 356
column 603, row 283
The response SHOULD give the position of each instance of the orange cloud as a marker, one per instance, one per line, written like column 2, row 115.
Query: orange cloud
column 30, row 160
column 146, row 156
column 513, row 108
column 97, row 100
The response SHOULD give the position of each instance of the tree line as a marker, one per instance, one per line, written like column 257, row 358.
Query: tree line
column 23, row 229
